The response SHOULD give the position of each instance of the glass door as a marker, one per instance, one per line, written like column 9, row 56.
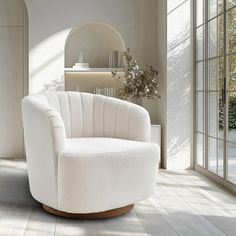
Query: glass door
column 215, row 83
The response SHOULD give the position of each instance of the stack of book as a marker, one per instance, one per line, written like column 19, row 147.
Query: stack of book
column 109, row 92
column 115, row 59
column 81, row 66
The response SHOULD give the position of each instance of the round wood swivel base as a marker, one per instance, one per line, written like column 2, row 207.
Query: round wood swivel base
column 91, row 216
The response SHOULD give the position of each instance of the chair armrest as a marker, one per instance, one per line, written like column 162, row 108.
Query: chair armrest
column 140, row 124
column 116, row 118
column 44, row 134
column 132, row 122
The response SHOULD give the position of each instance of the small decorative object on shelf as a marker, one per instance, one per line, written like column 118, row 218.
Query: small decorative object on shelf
column 81, row 65
column 115, row 59
column 138, row 83
column 81, row 57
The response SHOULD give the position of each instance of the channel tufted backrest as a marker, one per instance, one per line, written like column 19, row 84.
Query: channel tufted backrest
column 88, row 115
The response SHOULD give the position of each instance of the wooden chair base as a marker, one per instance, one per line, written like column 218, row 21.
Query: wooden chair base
column 91, row 216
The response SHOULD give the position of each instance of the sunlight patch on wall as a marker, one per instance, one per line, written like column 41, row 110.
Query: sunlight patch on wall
column 179, row 82
column 47, row 64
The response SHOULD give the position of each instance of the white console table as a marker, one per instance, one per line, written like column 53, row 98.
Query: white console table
column 156, row 136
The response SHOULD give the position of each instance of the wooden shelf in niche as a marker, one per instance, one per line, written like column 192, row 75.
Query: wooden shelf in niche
column 93, row 70
column 87, row 81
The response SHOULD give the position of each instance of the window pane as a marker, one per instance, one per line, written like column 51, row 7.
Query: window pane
column 200, row 12
column 215, row 115
column 232, row 117
column 212, row 161
column 216, row 37
column 216, row 74
column 215, row 160
column 231, row 135
column 220, row 158
column 199, row 76
column 231, row 64
column 231, row 26
column 231, row 147
column 200, row 112
column 215, row 7
column 200, row 149
column 200, row 43
column 231, row 3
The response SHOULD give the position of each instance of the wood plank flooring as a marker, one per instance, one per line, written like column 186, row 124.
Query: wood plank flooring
column 185, row 203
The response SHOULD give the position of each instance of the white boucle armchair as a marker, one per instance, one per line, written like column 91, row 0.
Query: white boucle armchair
column 88, row 155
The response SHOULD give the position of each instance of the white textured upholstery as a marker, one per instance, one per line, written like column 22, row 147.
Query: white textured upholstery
column 88, row 153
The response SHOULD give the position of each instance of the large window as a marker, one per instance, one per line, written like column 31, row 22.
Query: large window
column 215, row 86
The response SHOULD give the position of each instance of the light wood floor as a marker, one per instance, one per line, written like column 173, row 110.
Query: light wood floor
column 185, row 203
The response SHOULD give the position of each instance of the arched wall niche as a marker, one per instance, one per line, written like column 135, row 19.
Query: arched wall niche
column 94, row 40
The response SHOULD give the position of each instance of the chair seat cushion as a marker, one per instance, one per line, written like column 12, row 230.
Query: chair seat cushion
column 102, row 145
column 98, row 174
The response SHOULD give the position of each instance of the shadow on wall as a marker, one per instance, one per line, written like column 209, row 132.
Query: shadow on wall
column 179, row 102
column 58, row 84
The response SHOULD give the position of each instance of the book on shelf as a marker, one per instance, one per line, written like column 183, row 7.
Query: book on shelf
column 115, row 59
column 80, row 65
column 109, row 92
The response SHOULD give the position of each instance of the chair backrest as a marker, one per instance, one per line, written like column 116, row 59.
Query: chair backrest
column 88, row 115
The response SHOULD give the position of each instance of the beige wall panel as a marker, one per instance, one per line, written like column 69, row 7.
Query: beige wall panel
column 11, row 13
column 11, row 91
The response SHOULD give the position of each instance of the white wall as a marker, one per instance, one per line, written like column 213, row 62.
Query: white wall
column 179, row 84
column 175, row 65
column 50, row 22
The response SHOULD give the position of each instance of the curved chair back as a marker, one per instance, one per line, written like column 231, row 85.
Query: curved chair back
column 88, row 115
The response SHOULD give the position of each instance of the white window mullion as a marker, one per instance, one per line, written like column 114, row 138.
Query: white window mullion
column 206, row 84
